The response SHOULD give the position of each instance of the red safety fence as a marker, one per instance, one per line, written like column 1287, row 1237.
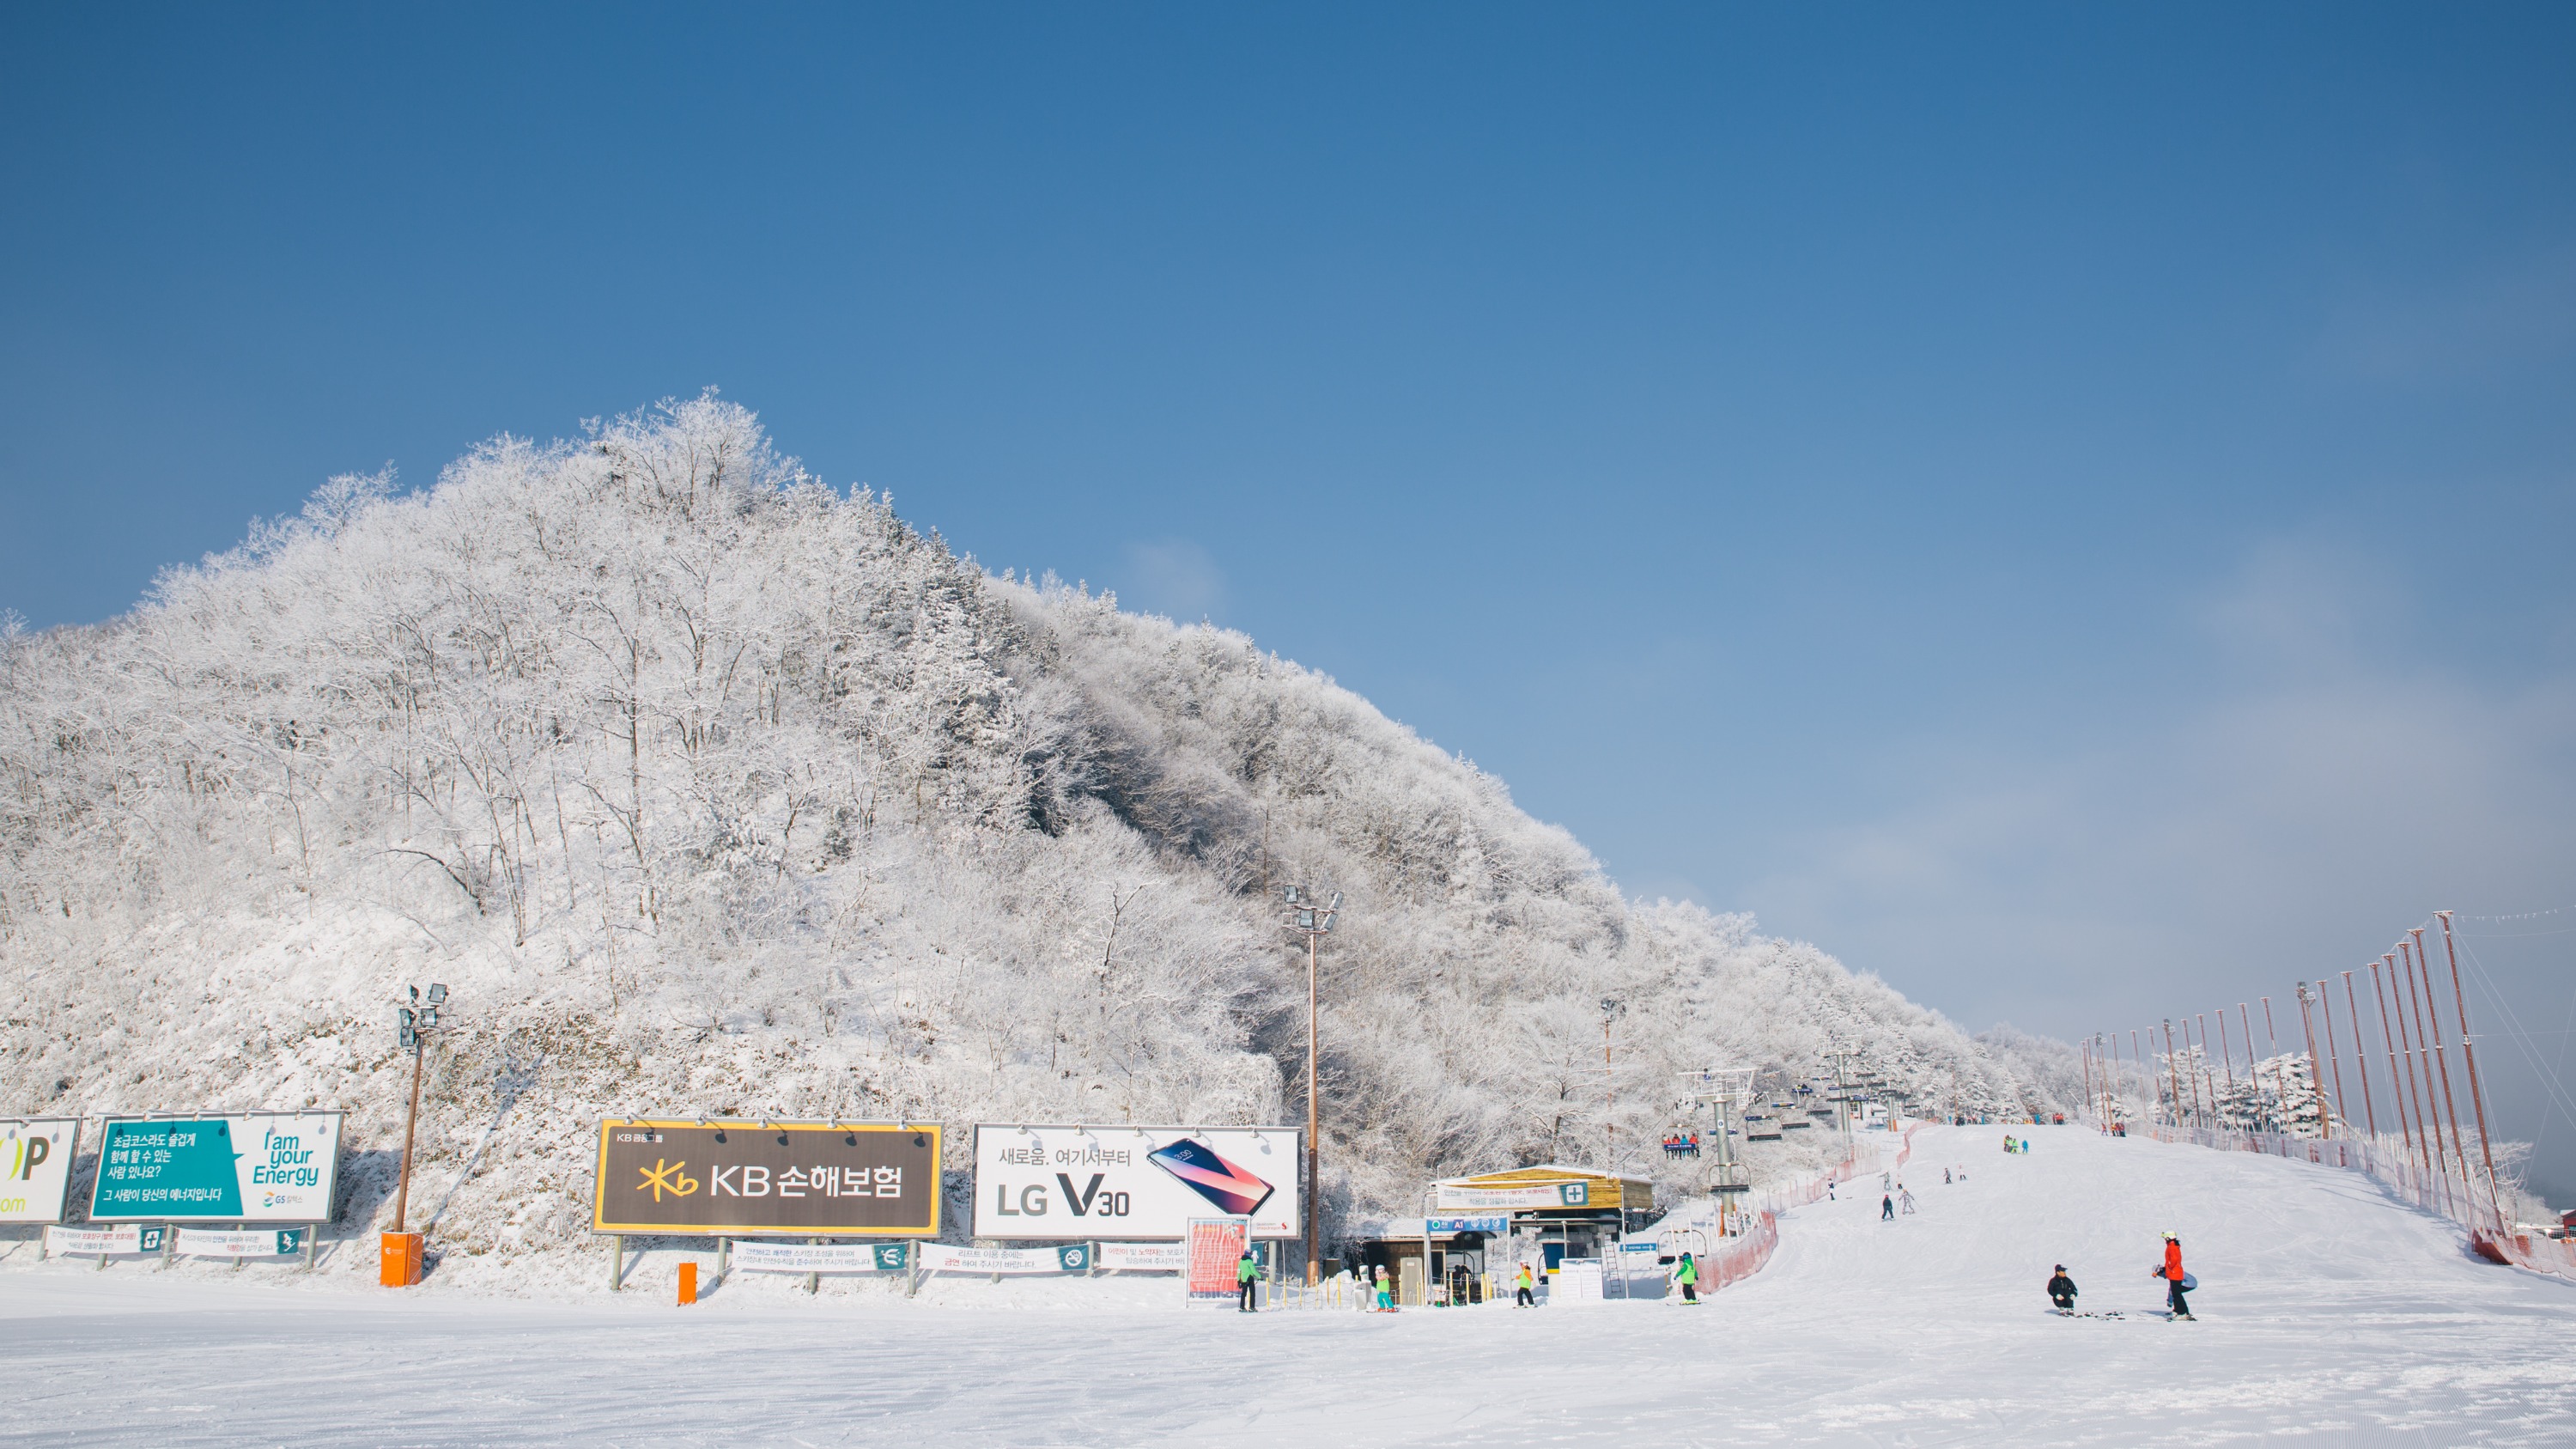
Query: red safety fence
column 1744, row 1255
column 2408, row 1175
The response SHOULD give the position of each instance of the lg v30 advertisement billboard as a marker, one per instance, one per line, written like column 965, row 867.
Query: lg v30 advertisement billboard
column 1127, row 1182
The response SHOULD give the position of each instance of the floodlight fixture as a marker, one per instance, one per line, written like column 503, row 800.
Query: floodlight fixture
column 437, row 992
column 1288, row 894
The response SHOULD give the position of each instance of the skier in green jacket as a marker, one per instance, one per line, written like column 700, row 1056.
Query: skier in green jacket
column 1686, row 1273
column 1247, row 1277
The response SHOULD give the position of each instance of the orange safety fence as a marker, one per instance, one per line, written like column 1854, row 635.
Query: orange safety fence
column 2411, row 1176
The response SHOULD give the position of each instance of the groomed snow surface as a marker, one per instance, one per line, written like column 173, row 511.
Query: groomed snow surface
column 2329, row 1315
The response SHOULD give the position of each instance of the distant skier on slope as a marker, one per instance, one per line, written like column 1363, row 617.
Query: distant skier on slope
column 1904, row 1197
column 1247, row 1280
column 1686, row 1273
column 1522, row 1284
column 1887, row 1210
column 1945, row 1177
column 2061, row 1290
column 2174, row 1278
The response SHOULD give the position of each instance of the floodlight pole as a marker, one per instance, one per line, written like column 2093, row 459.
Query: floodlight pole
column 1611, row 1010
column 411, row 1120
column 413, row 1024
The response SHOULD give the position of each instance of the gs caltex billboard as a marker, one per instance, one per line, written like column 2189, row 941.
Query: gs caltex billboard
column 825, row 1179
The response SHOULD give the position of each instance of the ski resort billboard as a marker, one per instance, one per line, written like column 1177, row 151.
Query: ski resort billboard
column 36, row 1167
column 820, row 1179
column 233, row 1167
column 1130, row 1182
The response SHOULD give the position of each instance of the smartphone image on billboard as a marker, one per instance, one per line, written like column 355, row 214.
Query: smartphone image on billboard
column 1234, row 1191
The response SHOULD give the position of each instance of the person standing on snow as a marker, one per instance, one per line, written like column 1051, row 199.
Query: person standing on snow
column 1385, row 1291
column 2173, row 1275
column 2061, row 1290
column 1945, row 1177
column 1247, row 1280
column 1905, row 1197
column 1887, row 1210
column 1522, row 1284
column 1686, row 1273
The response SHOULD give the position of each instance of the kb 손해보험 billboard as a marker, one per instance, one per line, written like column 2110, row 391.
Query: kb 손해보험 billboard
column 825, row 1179
column 239, row 1167
column 1134, row 1182
column 36, row 1167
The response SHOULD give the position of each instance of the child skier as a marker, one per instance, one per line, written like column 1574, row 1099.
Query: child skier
column 1247, row 1281
column 1887, row 1210
column 1522, row 1284
column 1686, row 1273
column 1905, row 1197
column 2061, row 1291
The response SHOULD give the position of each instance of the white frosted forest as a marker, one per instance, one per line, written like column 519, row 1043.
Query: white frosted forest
column 712, row 789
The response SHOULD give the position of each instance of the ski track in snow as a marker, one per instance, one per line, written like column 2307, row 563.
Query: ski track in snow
column 2329, row 1315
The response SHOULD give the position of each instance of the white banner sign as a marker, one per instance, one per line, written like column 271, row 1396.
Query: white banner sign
column 106, row 1241
column 945, row 1258
column 36, row 1167
column 1145, row 1257
column 248, row 1243
column 1518, row 1195
column 1133, row 1182
column 818, row 1257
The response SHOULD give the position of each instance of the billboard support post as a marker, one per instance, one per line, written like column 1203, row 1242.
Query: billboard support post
column 616, row 1261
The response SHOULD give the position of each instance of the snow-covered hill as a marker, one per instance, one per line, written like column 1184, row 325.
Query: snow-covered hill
column 710, row 789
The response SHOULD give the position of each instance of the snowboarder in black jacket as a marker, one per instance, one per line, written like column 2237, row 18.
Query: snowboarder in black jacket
column 2061, row 1290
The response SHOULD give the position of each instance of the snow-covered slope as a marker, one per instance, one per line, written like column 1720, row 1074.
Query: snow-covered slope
column 2329, row 1315
column 713, row 790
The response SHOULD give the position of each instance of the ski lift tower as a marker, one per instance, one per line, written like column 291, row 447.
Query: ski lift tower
column 1725, row 1090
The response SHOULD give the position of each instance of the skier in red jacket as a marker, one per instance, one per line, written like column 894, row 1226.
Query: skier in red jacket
column 2173, row 1275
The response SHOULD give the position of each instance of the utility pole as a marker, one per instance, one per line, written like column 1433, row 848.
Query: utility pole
column 2173, row 1073
column 2280, row 1082
column 2361, row 1059
column 2495, row 1195
column 2442, row 1059
column 2427, row 1146
column 2334, row 1059
column 1314, row 923
column 2316, row 1079
column 2396, row 1084
column 1611, row 1010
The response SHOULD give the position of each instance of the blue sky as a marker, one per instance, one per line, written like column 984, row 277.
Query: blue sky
column 2069, row 508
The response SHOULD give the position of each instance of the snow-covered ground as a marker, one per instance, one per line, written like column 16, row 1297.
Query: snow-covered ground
column 2329, row 1315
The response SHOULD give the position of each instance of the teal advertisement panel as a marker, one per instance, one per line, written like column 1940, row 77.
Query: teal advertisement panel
column 249, row 1167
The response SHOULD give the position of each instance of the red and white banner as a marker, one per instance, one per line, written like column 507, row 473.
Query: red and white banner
column 1215, row 1245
